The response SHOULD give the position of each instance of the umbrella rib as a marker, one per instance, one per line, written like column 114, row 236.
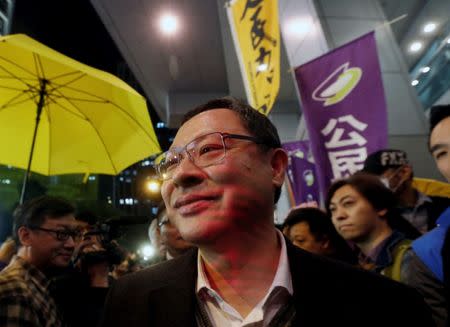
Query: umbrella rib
column 106, row 149
column 69, row 82
column 14, row 88
column 136, row 122
column 88, row 93
column 126, row 113
column 19, row 67
column 95, row 129
column 38, row 66
column 67, row 74
column 31, row 87
column 10, row 103
column 78, row 114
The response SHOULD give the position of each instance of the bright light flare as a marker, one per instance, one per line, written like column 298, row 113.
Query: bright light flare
column 425, row 69
column 430, row 27
column 298, row 26
column 153, row 186
column 415, row 46
column 415, row 82
column 168, row 24
column 147, row 251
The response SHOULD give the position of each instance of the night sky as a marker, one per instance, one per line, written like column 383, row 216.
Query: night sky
column 69, row 26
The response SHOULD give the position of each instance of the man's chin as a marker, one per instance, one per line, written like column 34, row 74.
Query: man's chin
column 61, row 261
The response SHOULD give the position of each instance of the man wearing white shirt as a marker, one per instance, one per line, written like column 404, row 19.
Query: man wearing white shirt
column 221, row 179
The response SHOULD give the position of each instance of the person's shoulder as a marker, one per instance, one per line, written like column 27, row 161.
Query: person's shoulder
column 11, row 280
column 334, row 274
column 159, row 274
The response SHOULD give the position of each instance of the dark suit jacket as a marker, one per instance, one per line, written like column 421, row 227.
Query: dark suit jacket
column 326, row 293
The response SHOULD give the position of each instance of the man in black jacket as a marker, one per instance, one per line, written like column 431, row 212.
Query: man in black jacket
column 221, row 179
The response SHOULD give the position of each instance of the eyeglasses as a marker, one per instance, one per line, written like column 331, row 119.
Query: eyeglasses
column 62, row 234
column 204, row 151
column 163, row 222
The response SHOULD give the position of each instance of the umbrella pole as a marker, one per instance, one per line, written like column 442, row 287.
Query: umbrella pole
column 40, row 106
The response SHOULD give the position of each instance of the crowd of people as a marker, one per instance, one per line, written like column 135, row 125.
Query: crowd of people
column 375, row 254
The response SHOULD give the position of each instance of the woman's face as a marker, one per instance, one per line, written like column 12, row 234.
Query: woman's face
column 353, row 216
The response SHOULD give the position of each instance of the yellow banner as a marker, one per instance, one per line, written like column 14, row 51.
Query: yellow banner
column 256, row 34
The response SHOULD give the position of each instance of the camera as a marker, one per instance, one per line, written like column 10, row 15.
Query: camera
column 98, row 245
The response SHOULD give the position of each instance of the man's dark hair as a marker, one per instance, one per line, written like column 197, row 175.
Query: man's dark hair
column 370, row 187
column 379, row 196
column 34, row 212
column 322, row 228
column 257, row 124
column 437, row 114
column 319, row 223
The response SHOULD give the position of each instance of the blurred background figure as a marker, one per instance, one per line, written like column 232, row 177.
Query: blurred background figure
column 7, row 250
column 362, row 210
column 312, row 230
column 130, row 264
column 395, row 171
column 154, row 235
column 171, row 240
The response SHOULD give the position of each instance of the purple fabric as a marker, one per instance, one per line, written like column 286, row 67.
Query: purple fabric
column 302, row 172
column 345, row 108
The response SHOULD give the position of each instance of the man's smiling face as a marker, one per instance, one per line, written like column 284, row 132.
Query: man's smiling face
column 232, row 194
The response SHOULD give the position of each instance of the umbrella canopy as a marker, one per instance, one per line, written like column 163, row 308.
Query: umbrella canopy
column 84, row 120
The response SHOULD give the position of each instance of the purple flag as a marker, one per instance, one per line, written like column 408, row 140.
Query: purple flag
column 344, row 106
column 302, row 172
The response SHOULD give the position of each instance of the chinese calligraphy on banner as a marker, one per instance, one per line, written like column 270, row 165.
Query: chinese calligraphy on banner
column 301, row 172
column 344, row 107
column 256, row 34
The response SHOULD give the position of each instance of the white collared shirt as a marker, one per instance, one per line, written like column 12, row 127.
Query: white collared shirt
column 223, row 314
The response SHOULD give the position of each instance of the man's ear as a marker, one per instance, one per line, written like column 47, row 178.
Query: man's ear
column 279, row 163
column 24, row 235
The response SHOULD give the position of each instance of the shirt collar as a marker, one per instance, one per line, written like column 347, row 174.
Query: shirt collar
column 282, row 276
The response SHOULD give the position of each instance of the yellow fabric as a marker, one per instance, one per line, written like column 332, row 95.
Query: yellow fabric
column 256, row 34
column 432, row 187
column 394, row 270
column 92, row 121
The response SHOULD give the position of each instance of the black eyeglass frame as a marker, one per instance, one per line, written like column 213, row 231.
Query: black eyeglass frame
column 62, row 235
column 222, row 135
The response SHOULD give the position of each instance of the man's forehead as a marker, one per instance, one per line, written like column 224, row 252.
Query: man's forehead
column 441, row 133
column 214, row 120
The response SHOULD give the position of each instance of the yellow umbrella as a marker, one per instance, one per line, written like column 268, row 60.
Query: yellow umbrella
column 59, row 116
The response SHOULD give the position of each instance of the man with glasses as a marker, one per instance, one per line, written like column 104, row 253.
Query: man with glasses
column 221, row 179
column 171, row 239
column 44, row 228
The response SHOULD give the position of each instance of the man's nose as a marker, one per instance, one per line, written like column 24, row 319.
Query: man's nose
column 188, row 173
column 339, row 214
column 70, row 242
